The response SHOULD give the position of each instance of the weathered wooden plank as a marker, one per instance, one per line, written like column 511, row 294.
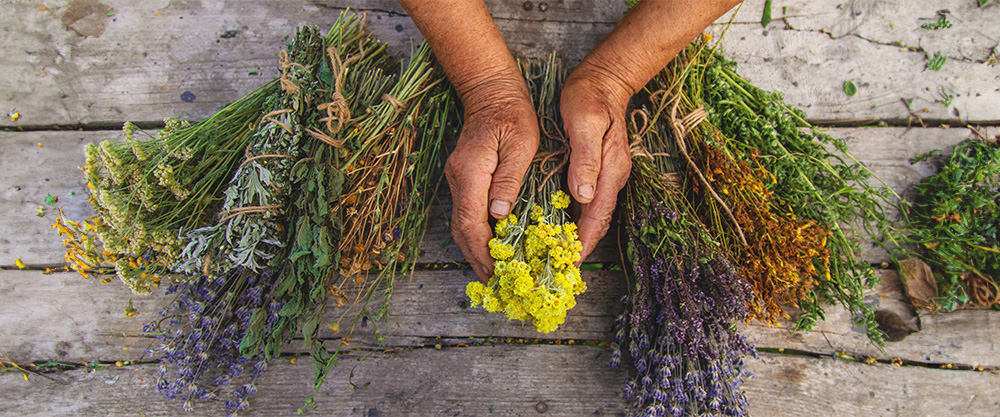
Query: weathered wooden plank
column 30, row 172
column 134, row 65
column 881, row 48
column 957, row 337
column 796, row 386
column 64, row 317
column 515, row 380
column 76, row 64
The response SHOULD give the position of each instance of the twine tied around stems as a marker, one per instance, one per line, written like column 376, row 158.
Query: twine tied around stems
column 394, row 102
column 336, row 109
column 543, row 157
column 228, row 214
column 267, row 117
column 285, row 64
column 636, row 147
column 681, row 127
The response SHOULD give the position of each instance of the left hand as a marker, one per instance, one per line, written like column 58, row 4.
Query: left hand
column 593, row 105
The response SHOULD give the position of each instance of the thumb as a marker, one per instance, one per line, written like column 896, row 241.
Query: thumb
column 586, row 138
column 514, row 159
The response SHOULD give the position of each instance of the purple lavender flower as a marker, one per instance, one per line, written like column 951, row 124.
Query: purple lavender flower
column 205, row 331
column 677, row 323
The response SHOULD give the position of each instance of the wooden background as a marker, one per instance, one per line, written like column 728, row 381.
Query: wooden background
column 75, row 70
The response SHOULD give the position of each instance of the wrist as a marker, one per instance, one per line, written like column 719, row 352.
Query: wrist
column 484, row 92
column 605, row 81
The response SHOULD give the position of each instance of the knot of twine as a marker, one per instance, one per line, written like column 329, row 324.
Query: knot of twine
column 394, row 102
column 285, row 64
column 681, row 127
column 544, row 157
column 336, row 109
column 636, row 147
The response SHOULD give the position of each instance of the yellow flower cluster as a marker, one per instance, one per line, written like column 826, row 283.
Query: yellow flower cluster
column 534, row 276
column 85, row 256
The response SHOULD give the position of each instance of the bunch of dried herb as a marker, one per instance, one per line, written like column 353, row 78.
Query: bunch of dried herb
column 148, row 193
column 536, row 246
column 954, row 219
column 335, row 160
column 679, row 320
column 357, row 226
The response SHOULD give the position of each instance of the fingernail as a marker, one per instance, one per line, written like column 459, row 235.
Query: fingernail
column 500, row 208
column 585, row 191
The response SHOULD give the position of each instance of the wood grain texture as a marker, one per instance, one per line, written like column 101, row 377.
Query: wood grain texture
column 812, row 47
column 135, row 64
column 73, row 64
column 515, row 380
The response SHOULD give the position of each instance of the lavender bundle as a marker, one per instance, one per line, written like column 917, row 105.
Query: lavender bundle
column 678, row 324
column 203, row 342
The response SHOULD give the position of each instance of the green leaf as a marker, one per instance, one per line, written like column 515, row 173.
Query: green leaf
column 51, row 199
column 766, row 18
column 849, row 88
column 937, row 62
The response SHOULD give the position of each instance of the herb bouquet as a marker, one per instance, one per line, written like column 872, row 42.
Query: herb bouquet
column 254, row 212
column 536, row 246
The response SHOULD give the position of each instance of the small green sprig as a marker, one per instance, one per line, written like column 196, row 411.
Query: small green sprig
column 954, row 222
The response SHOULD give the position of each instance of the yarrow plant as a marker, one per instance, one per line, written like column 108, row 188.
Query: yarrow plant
column 536, row 247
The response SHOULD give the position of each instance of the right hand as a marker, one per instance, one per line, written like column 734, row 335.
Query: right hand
column 498, row 141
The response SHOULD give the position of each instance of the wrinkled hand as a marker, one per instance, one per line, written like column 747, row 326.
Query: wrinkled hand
column 498, row 140
column 593, row 104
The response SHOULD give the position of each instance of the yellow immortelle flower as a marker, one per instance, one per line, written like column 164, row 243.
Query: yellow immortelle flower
column 534, row 276
column 537, row 214
column 559, row 199
column 499, row 250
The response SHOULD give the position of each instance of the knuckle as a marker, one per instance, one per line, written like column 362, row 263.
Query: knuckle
column 583, row 165
column 505, row 185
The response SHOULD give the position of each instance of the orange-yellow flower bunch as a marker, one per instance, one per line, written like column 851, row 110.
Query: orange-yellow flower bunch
column 86, row 255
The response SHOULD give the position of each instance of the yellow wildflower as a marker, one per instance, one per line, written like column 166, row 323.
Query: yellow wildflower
column 559, row 199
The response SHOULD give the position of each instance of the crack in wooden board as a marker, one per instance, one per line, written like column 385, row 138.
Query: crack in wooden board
column 64, row 317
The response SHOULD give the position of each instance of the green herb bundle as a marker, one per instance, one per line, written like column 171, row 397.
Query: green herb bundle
column 148, row 193
column 954, row 220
